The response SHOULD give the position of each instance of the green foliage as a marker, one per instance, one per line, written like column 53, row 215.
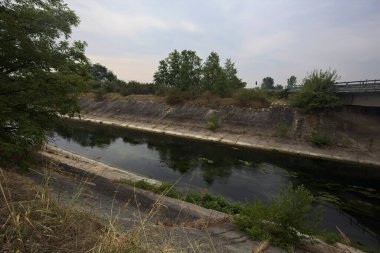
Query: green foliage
column 175, row 97
column 206, row 200
column 292, row 81
column 213, row 202
column 251, row 98
column 214, row 121
column 283, row 220
column 133, row 87
column 181, row 70
column 283, row 130
column 268, row 83
column 185, row 72
column 317, row 93
column 320, row 139
column 41, row 72
column 102, row 78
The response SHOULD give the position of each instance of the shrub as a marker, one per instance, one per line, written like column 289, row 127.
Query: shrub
column 99, row 94
column 213, row 202
column 206, row 200
column 283, row 130
column 137, row 88
column 283, row 221
column 317, row 93
column 174, row 97
column 213, row 120
column 251, row 97
column 320, row 139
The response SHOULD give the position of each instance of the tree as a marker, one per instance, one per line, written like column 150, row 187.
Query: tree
column 213, row 73
column 190, row 70
column 161, row 76
column 174, row 64
column 231, row 74
column 181, row 70
column 41, row 72
column 103, row 78
column 268, row 83
column 318, row 92
column 292, row 81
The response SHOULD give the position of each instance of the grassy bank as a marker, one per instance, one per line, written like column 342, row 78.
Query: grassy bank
column 284, row 222
column 33, row 221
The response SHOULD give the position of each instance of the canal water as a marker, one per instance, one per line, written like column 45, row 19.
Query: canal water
column 348, row 193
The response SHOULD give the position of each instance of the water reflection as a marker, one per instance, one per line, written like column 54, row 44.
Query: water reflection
column 349, row 191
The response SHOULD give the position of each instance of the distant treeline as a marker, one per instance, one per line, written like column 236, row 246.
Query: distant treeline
column 183, row 76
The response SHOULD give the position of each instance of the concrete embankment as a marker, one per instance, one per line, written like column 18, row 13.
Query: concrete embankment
column 185, row 221
column 277, row 128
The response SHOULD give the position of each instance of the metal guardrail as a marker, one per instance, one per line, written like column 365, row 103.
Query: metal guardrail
column 352, row 86
column 358, row 86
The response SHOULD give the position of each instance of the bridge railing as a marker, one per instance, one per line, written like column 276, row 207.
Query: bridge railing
column 352, row 86
column 358, row 86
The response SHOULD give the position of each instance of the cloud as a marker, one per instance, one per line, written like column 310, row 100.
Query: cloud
column 259, row 44
column 103, row 21
column 133, row 67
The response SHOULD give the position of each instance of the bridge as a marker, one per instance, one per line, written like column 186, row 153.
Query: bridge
column 358, row 86
column 358, row 93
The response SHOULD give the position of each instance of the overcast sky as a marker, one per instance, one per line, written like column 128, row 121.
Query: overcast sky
column 264, row 38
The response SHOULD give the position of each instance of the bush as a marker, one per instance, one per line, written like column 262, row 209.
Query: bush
column 206, row 200
column 317, row 93
column 175, row 97
column 213, row 120
column 320, row 139
column 283, row 130
column 283, row 221
column 136, row 88
column 99, row 94
column 251, row 98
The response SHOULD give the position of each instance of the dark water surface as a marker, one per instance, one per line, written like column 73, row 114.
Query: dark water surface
column 348, row 193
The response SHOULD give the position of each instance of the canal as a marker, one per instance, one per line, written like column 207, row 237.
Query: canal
column 349, row 194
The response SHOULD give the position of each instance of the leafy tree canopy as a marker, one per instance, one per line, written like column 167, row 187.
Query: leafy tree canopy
column 292, row 81
column 103, row 79
column 268, row 83
column 181, row 70
column 185, row 71
column 41, row 71
column 317, row 93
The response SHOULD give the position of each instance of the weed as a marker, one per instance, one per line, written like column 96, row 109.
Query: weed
column 174, row 97
column 283, row 221
column 283, row 130
column 214, row 121
column 206, row 200
column 251, row 98
column 320, row 139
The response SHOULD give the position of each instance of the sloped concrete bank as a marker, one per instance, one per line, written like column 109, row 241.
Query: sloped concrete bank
column 277, row 128
column 184, row 218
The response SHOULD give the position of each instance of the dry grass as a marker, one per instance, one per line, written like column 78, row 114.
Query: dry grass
column 32, row 221
column 118, row 96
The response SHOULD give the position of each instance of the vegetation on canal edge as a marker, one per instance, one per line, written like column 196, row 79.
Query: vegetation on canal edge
column 283, row 222
column 203, row 199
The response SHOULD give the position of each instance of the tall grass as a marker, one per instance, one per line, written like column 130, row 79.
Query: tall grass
column 33, row 220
